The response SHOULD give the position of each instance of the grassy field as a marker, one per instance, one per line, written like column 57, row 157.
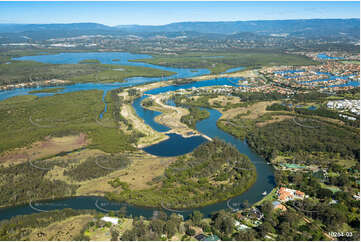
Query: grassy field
column 333, row 189
column 117, row 73
column 89, row 61
column 139, row 175
column 63, row 224
column 65, row 230
column 30, row 119
column 25, row 71
column 350, row 61
column 6, row 55
column 227, row 60
column 47, row 90
column 44, row 149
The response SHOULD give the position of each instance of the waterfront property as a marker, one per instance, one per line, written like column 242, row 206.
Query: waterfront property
column 286, row 194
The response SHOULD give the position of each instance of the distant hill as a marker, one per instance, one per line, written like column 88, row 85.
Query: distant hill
column 305, row 28
column 17, row 28
column 40, row 32
column 329, row 29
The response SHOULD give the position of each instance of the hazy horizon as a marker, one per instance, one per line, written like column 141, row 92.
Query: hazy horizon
column 162, row 13
column 180, row 22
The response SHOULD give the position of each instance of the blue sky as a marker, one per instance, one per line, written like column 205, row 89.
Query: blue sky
column 158, row 13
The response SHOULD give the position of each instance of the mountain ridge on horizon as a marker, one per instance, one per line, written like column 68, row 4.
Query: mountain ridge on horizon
column 298, row 28
column 180, row 22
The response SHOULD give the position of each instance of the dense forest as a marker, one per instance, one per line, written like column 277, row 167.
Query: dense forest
column 213, row 172
column 336, row 210
column 324, row 112
column 238, row 126
column 159, row 225
column 195, row 115
column 24, row 182
column 28, row 71
column 30, row 181
column 293, row 225
column 286, row 136
column 221, row 223
column 94, row 167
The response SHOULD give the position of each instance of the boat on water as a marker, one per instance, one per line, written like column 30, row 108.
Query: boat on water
column 264, row 193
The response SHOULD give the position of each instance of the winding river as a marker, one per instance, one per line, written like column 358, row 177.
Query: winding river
column 170, row 147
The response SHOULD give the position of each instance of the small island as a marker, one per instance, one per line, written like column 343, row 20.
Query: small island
column 89, row 61
column 47, row 90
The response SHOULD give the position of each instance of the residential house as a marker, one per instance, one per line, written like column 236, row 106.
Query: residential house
column 286, row 194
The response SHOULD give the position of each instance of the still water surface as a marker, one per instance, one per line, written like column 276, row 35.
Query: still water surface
column 265, row 176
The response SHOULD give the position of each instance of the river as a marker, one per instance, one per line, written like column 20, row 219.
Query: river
column 265, row 174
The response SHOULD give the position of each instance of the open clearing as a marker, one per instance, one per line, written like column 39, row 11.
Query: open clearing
column 142, row 170
column 275, row 119
column 67, row 229
column 242, row 73
column 98, row 234
column 224, row 100
column 49, row 146
column 256, row 110
column 103, row 234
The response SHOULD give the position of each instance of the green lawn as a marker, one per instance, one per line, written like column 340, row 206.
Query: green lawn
column 271, row 196
column 347, row 163
column 333, row 189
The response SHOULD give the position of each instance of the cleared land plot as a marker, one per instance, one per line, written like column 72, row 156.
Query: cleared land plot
column 223, row 100
column 65, row 230
column 139, row 174
column 49, row 146
column 275, row 119
column 143, row 169
column 256, row 110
